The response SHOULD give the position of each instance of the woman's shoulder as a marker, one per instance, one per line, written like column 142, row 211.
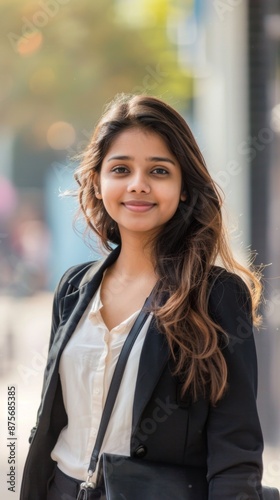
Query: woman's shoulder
column 76, row 270
column 228, row 289
column 220, row 276
column 72, row 277
column 230, row 307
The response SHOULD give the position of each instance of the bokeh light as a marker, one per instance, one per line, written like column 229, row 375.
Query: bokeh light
column 27, row 46
column 61, row 135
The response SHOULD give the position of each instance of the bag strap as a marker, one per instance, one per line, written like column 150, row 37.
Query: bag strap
column 116, row 381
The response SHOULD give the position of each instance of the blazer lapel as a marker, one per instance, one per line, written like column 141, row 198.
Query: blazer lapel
column 154, row 356
column 74, row 304
column 85, row 285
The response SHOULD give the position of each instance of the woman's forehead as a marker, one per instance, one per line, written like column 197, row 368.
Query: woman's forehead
column 141, row 139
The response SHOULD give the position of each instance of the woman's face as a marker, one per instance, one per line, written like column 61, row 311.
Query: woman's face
column 140, row 182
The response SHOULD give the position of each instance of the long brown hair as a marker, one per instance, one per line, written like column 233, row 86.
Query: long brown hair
column 187, row 247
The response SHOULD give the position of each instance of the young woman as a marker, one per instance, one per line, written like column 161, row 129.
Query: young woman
column 188, row 394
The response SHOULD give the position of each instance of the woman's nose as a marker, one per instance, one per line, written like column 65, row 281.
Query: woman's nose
column 138, row 184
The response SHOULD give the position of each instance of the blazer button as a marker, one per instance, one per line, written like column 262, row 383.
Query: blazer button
column 140, row 451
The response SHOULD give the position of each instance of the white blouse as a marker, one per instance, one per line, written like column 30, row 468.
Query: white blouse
column 86, row 368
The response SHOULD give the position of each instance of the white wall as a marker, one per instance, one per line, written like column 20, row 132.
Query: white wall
column 221, row 111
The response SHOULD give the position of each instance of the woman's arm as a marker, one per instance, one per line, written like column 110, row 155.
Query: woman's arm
column 235, row 442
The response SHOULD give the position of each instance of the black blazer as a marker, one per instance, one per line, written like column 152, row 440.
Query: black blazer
column 224, row 440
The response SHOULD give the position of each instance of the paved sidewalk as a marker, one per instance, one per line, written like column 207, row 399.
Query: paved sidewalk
column 271, row 459
column 24, row 333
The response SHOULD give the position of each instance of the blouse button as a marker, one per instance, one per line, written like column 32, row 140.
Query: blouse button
column 140, row 451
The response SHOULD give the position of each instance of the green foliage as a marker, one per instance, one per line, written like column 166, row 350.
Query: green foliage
column 61, row 60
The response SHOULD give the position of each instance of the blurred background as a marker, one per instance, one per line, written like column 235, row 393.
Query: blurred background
column 217, row 63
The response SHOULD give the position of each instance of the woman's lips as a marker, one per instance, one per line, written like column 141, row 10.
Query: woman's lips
column 138, row 206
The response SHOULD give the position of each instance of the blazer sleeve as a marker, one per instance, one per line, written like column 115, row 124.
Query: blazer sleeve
column 234, row 435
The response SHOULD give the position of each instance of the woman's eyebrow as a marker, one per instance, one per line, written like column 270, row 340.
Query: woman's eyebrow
column 161, row 158
column 120, row 157
column 151, row 158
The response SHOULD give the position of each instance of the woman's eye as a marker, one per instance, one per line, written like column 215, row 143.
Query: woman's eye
column 120, row 170
column 160, row 171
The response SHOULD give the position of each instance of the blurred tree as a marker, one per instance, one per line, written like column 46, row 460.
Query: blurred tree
column 61, row 60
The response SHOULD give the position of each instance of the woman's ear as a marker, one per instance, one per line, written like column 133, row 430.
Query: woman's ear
column 96, row 186
column 97, row 192
column 183, row 196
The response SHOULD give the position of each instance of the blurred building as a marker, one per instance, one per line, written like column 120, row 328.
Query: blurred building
column 235, row 56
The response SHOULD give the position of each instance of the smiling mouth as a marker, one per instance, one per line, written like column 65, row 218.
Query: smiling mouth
column 138, row 206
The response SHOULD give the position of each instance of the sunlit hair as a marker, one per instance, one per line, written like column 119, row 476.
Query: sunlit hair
column 187, row 247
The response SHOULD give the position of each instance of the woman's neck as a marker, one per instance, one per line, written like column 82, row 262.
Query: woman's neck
column 135, row 259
